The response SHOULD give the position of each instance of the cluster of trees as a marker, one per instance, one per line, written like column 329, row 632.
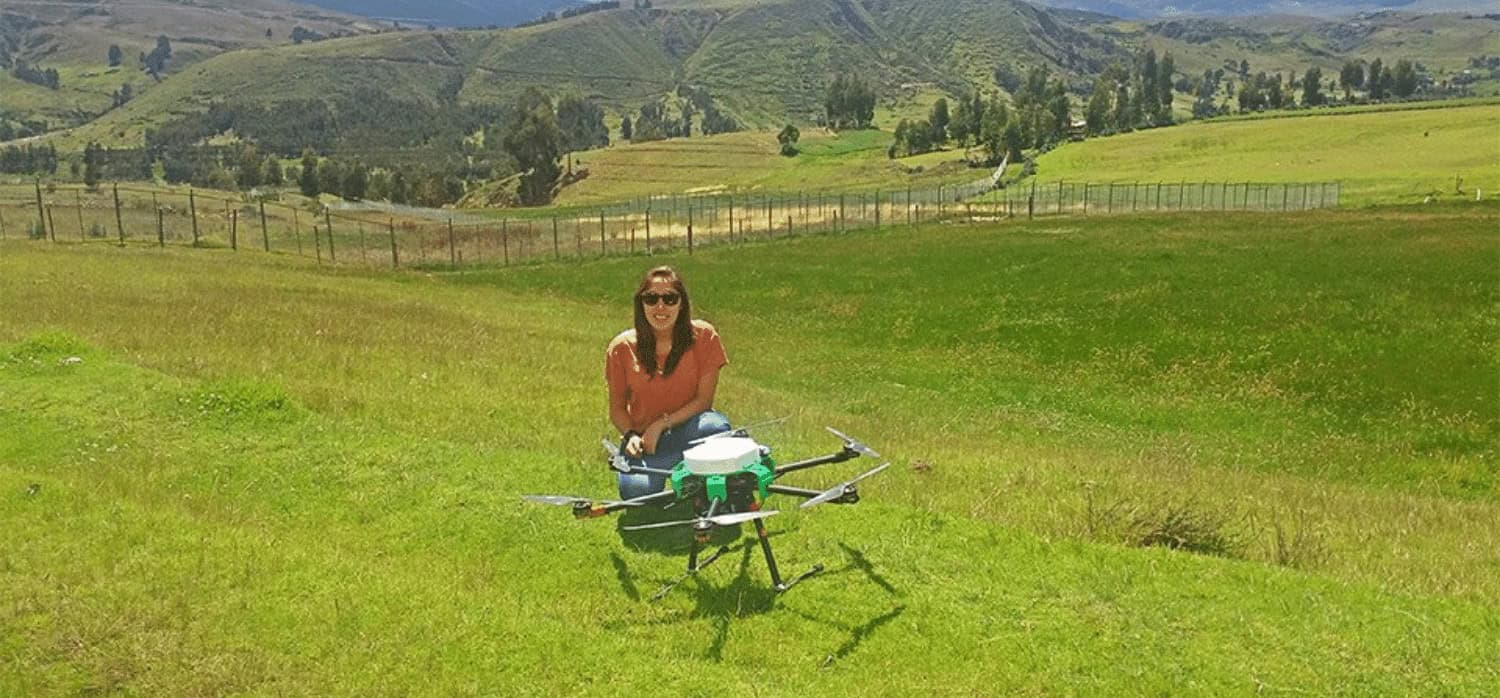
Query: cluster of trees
column 974, row 121
column 1262, row 91
column 29, row 159
column 156, row 61
column 12, row 128
column 302, row 34
column 582, row 123
column 672, row 116
column 1126, row 98
column 36, row 75
column 849, row 103
column 1379, row 81
column 123, row 95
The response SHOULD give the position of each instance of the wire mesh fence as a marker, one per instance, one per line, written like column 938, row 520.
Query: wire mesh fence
column 392, row 236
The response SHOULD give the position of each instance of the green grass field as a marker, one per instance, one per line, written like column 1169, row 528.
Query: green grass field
column 751, row 161
column 272, row 478
column 1398, row 156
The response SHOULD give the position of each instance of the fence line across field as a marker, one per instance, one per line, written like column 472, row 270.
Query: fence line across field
column 396, row 236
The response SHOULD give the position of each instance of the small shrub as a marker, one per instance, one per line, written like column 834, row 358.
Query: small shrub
column 1186, row 526
column 1297, row 543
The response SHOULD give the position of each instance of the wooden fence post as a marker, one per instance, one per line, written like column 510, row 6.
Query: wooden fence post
column 317, row 244
column 78, row 201
column 603, row 250
column 690, row 226
column 328, row 225
column 234, row 230
column 556, row 250
column 119, row 222
column 193, row 211
column 50, row 223
column 41, row 214
column 395, row 252
column 453, row 250
column 648, row 232
column 161, row 229
column 265, row 234
column 297, row 231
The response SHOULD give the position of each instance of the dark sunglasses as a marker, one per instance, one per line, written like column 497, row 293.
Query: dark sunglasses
column 652, row 298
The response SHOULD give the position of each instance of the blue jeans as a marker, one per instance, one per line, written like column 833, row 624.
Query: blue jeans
column 668, row 454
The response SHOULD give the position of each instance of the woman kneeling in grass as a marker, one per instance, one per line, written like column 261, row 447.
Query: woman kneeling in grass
column 662, row 376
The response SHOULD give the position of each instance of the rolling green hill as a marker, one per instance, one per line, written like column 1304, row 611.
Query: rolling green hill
column 74, row 38
column 768, row 62
column 1386, row 156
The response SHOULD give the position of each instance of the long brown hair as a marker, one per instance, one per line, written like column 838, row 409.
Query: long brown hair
column 682, row 332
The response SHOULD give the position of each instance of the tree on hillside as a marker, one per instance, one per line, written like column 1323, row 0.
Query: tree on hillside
column 1373, row 83
column 1404, row 79
column 993, row 130
column 1013, row 141
column 1312, row 87
column 1123, row 120
column 1351, row 77
column 967, row 119
column 1061, row 111
column 849, row 103
column 1164, row 70
column 356, row 180
column 939, row 119
column 93, row 165
column 156, row 61
column 582, row 123
column 115, row 55
column 535, row 141
column 270, row 172
column 308, row 182
column 788, row 139
column 625, row 128
column 250, row 167
column 330, row 177
column 400, row 189
column 1099, row 107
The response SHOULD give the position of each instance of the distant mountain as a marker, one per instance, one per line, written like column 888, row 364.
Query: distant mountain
column 1241, row 8
column 449, row 13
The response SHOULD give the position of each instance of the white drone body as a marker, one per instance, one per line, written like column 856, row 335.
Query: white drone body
column 722, row 456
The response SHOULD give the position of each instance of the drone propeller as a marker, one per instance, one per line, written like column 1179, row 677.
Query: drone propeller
column 617, row 460
column 720, row 520
column 838, row 490
column 564, row 501
column 853, row 444
column 740, row 432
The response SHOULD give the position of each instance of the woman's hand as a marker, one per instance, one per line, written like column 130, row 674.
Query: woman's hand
column 635, row 446
column 653, row 435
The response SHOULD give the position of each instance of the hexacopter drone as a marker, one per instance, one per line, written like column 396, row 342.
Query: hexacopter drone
column 726, row 478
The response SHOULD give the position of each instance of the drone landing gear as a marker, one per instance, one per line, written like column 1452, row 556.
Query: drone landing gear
column 776, row 581
column 693, row 568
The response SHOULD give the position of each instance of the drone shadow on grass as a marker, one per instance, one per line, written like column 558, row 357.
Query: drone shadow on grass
column 721, row 604
column 743, row 597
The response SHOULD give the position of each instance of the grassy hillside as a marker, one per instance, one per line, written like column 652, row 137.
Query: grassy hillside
column 1380, row 156
column 1442, row 42
column 262, row 477
column 752, row 161
column 75, row 38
